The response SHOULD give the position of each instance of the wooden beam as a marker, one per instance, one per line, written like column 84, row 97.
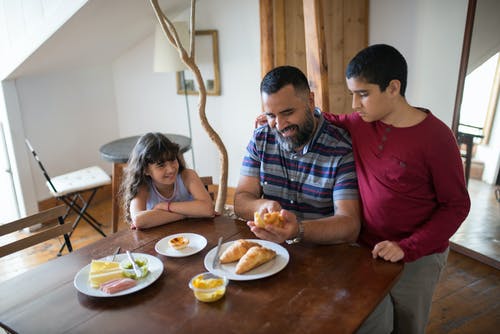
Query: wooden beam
column 266, row 36
column 279, row 32
column 317, row 64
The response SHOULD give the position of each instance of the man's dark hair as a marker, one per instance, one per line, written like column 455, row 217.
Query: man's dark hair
column 281, row 76
column 379, row 64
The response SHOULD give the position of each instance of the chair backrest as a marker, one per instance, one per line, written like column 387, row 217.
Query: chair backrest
column 44, row 171
column 208, row 183
column 36, row 238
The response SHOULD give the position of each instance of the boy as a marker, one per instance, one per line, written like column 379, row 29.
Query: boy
column 410, row 177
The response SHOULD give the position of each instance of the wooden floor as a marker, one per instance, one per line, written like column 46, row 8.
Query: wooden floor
column 479, row 234
column 467, row 299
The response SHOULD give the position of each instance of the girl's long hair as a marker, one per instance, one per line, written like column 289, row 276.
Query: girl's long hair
column 151, row 148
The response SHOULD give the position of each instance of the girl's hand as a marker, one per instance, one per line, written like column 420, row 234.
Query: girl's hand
column 388, row 250
column 161, row 206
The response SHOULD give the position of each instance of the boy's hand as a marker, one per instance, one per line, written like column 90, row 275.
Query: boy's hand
column 388, row 250
column 260, row 120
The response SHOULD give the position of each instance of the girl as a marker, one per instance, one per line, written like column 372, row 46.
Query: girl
column 158, row 188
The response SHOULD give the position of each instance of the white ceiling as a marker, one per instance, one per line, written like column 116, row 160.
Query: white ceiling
column 97, row 34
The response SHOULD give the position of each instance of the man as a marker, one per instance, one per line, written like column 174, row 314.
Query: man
column 299, row 165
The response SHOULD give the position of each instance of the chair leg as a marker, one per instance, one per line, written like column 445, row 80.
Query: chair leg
column 79, row 210
column 82, row 213
column 67, row 242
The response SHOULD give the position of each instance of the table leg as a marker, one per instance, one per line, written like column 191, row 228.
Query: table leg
column 115, row 189
column 468, row 157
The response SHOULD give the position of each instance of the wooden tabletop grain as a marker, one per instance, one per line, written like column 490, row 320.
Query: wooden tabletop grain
column 323, row 289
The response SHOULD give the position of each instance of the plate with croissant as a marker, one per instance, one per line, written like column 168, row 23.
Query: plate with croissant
column 248, row 259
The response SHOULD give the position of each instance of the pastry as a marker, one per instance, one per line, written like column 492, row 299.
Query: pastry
column 254, row 257
column 273, row 218
column 179, row 242
column 236, row 250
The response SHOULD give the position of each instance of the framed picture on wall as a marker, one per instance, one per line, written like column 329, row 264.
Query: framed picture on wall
column 207, row 59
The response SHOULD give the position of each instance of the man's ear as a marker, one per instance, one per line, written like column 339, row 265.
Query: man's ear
column 394, row 87
column 311, row 100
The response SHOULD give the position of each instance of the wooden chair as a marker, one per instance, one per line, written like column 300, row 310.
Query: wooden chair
column 208, row 182
column 60, row 229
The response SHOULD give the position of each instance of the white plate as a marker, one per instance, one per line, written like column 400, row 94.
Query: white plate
column 155, row 267
column 196, row 243
column 264, row 270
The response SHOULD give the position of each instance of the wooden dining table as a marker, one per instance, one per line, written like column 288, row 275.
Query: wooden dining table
column 322, row 289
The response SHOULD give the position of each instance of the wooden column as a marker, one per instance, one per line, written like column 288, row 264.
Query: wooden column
column 317, row 63
column 266, row 36
column 279, row 33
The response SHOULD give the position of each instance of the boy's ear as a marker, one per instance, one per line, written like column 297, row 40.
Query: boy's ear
column 394, row 87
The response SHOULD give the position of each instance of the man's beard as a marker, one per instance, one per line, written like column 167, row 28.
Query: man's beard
column 304, row 133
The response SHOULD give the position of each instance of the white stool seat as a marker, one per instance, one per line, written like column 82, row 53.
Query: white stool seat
column 80, row 180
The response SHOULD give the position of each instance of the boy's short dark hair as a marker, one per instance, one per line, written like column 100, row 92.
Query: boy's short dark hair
column 379, row 64
column 281, row 76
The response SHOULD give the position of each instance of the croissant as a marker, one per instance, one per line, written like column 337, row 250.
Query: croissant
column 254, row 257
column 236, row 250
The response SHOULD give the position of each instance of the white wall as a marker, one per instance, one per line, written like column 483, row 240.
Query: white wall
column 429, row 34
column 24, row 25
column 67, row 116
column 147, row 101
column 490, row 153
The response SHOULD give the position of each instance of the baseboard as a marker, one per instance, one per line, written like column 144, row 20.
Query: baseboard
column 475, row 255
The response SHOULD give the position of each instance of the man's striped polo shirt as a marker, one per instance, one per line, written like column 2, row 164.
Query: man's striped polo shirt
column 308, row 182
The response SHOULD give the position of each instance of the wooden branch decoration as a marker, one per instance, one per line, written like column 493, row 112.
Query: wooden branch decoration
column 189, row 60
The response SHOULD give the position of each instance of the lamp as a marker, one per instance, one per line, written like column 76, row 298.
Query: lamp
column 167, row 59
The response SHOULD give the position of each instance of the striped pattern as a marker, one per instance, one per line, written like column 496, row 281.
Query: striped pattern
column 306, row 183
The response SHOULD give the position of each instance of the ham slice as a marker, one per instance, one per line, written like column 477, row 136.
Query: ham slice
column 117, row 285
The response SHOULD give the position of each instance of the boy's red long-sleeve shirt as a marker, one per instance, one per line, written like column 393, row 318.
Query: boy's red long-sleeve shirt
column 411, row 182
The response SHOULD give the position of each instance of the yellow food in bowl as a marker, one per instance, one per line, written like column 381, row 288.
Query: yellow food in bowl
column 208, row 287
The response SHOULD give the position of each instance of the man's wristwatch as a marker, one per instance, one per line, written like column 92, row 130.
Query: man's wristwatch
column 300, row 235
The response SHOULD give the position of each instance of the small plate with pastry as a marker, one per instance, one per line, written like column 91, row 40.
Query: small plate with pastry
column 181, row 244
column 248, row 259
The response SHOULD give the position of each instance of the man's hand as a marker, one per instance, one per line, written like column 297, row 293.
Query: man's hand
column 388, row 250
column 275, row 233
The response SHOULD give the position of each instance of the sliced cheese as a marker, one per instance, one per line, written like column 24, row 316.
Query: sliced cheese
column 97, row 279
column 97, row 266
column 103, row 271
